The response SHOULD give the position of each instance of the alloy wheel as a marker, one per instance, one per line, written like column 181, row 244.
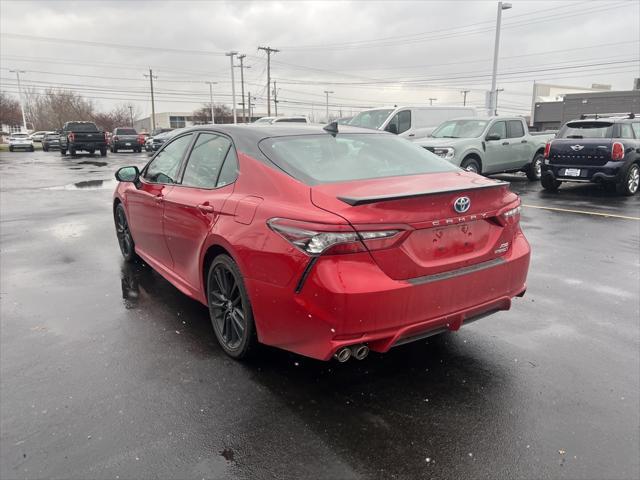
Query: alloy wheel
column 634, row 179
column 225, row 304
column 124, row 234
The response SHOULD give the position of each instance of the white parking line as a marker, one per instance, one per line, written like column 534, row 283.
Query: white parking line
column 584, row 212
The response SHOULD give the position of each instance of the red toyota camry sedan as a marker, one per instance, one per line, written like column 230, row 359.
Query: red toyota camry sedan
column 325, row 241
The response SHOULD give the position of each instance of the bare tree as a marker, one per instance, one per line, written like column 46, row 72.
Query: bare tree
column 221, row 111
column 50, row 109
column 9, row 110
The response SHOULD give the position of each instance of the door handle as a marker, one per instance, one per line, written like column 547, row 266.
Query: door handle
column 206, row 208
column 523, row 141
column 411, row 135
column 505, row 143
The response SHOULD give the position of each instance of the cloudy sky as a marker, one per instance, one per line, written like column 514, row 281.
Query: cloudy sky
column 369, row 53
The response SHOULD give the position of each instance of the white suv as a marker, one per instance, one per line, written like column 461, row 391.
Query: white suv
column 19, row 141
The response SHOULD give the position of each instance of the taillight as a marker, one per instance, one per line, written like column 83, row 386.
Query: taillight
column 512, row 216
column 106, row 137
column 617, row 151
column 547, row 149
column 317, row 239
column 140, row 139
column 72, row 137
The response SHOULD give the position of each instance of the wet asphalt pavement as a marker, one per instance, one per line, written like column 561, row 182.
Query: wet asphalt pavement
column 107, row 371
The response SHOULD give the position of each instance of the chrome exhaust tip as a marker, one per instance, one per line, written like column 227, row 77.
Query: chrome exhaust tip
column 343, row 354
column 360, row 352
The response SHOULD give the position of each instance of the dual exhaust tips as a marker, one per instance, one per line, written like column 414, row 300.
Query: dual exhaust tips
column 359, row 352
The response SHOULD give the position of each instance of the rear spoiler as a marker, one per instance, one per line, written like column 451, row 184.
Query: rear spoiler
column 355, row 201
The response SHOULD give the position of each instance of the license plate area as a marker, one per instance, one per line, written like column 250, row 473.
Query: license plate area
column 571, row 172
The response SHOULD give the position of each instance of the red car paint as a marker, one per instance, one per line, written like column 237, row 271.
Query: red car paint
column 440, row 270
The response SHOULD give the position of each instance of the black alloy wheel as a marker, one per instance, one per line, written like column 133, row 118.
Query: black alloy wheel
column 125, row 240
column 229, row 308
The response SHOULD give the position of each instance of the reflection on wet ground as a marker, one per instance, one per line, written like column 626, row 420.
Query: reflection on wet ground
column 88, row 185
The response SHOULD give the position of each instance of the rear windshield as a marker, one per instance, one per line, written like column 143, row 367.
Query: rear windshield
column 371, row 118
column 19, row 135
column 126, row 131
column 586, row 130
column 51, row 135
column 460, row 129
column 317, row 159
column 293, row 120
column 81, row 127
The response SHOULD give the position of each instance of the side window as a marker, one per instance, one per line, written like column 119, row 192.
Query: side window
column 402, row 121
column 515, row 129
column 205, row 161
column 626, row 131
column 498, row 128
column 164, row 167
column 636, row 129
column 229, row 171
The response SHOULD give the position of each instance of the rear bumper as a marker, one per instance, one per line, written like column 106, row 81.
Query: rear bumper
column 21, row 146
column 85, row 146
column 351, row 301
column 609, row 172
column 132, row 145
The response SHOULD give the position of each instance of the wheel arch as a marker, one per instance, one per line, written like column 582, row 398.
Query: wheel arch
column 215, row 247
column 475, row 156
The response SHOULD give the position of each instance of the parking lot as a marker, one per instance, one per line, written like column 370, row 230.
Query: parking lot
column 109, row 372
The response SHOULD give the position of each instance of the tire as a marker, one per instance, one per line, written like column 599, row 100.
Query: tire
column 11, row 149
column 103, row 152
column 32, row 149
column 92, row 152
column 470, row 164
column 63, row 152
column 125, row 239
column 629, row 184
column 45, row 149
column 114, row 149
column 230, row 308
column 549, row 183
column 72, row 152
column 534, row 170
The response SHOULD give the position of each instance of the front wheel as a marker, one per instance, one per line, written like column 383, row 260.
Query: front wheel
column 230, row 309
column 629, row 184
column 534, row 170
column 470, row 165
column 103, row 152
column 125, row 240
column 63, row 152
column 549, row 183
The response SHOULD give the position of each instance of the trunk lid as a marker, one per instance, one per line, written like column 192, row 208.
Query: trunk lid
column 580, row 151
column 436, row 238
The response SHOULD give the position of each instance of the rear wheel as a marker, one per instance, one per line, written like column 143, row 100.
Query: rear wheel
column 32, row 149
column 45, row 149
column 125, row 240
column 11, row 149
column 534, row 170
column 72, row 151
column 470, row 165
column 114, row 149
column 103, row 152
column 629, row 184
column 549, row 183
column 230, row 309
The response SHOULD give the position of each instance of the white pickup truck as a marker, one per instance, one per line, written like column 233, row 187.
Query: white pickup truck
column 489, row 145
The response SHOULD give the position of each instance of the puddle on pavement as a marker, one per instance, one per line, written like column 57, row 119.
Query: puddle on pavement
column 94, row 163
column 66, row 231
column 87, row 185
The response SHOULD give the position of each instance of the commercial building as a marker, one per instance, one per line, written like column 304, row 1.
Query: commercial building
column 165, row 120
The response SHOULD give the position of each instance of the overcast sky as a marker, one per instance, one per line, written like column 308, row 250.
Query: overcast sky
column 369, row 53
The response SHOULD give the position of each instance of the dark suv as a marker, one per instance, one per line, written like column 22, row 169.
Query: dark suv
column 596, row 149
column 126, row 139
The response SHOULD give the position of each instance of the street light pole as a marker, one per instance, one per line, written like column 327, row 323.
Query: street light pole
column 431, row 100
column 498, row 90
column 464, row 97
column 233, row 86
column 242, row 67
column 211, row 84
column 153, row 103
column 130, row 107
column 327, row 92
column 24, row 118
column 494, row 94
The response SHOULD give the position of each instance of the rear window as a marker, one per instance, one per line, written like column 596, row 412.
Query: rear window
column 586, row 130
column 371, row 118
column 19, row 135
column 292, row 120
column 81, row 127
column 317, row 159
column 126, row 131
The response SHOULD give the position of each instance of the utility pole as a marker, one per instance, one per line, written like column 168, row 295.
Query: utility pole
column 464, row 98
column 249, row 101
column 233, row 86
column 327, row 92
column 24, row 118
column 153, row 103
column 242, row 67
column 275, row 97
column 431, row 100
column 494, row 94
column 130, row 107
column 211, row 84
column 498, row 90
column 269, row 51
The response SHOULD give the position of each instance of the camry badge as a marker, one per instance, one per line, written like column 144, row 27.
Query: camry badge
column 577, row 148
column 462, row 204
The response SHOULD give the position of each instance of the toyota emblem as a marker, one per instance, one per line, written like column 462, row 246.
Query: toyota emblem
column 462, row 204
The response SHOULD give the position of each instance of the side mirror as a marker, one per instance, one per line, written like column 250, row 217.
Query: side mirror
column 492, row 136
column 392, row 128
column 128, row 174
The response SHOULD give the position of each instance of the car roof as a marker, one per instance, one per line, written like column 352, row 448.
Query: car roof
column 260, row 132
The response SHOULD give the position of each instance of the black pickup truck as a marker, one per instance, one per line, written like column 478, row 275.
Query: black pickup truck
column 600, row 150
column 85, row 136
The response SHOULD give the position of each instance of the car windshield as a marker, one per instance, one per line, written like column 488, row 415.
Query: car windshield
column 317, row 159
column 81, row 127
column 20, row 135
column 460, row 129
column 371, row 118
column 586, row 130
column 127, row 131
column 264, row 120
column 51, row 135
